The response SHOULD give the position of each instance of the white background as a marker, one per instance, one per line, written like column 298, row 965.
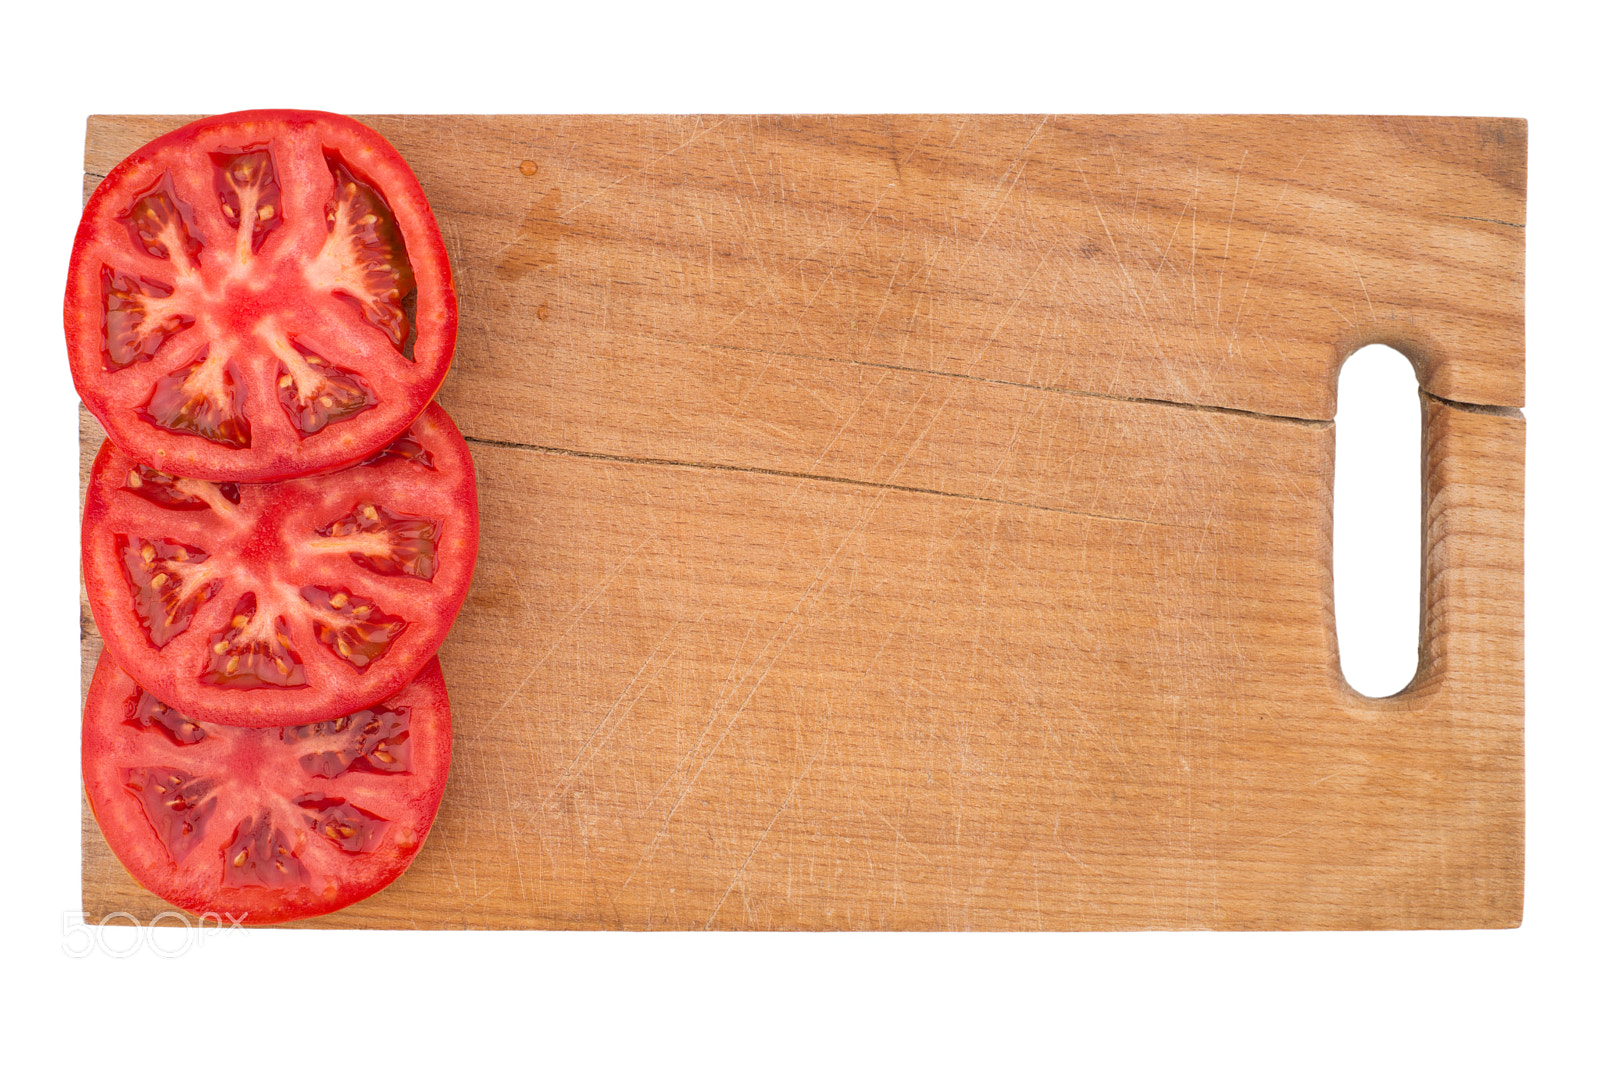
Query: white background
column 998, row 998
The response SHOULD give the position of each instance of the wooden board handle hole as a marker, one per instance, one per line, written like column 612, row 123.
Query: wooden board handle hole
column 1377, row 545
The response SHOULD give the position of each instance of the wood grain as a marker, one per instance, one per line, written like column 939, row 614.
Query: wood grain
column 924, row 523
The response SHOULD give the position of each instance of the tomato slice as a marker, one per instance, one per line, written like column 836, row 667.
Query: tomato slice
column 258, row 296
column 286, row 602
column 264, row 825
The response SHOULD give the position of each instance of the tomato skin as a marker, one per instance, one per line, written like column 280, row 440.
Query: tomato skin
column 280, row 553
column 130, row 391
column 257, row 776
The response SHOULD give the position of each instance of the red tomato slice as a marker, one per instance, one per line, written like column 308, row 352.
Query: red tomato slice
column 264, row 825
column 283, row 602
column 258, row 296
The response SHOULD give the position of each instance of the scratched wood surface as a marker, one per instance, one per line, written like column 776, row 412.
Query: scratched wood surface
column 924, row 523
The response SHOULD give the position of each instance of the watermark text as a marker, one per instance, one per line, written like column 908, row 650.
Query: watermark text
column 168, row 935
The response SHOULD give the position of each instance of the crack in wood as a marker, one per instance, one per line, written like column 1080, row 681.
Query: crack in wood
column 1477, row 408
column 1496, row 221
column 731, row 468
column 1208, row 408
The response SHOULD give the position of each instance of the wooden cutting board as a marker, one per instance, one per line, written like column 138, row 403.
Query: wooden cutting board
column 923, row 522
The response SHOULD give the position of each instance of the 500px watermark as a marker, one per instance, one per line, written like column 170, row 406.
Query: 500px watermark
column 169, row 935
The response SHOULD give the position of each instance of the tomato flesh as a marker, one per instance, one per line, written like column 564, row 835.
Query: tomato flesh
column 264, row 825
column 364, row 259
column 138, row 318
column 245, row 184
column 202, row 398
column 286, row 602
column 243, row 284
column 248, row 654
column 168, row 583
